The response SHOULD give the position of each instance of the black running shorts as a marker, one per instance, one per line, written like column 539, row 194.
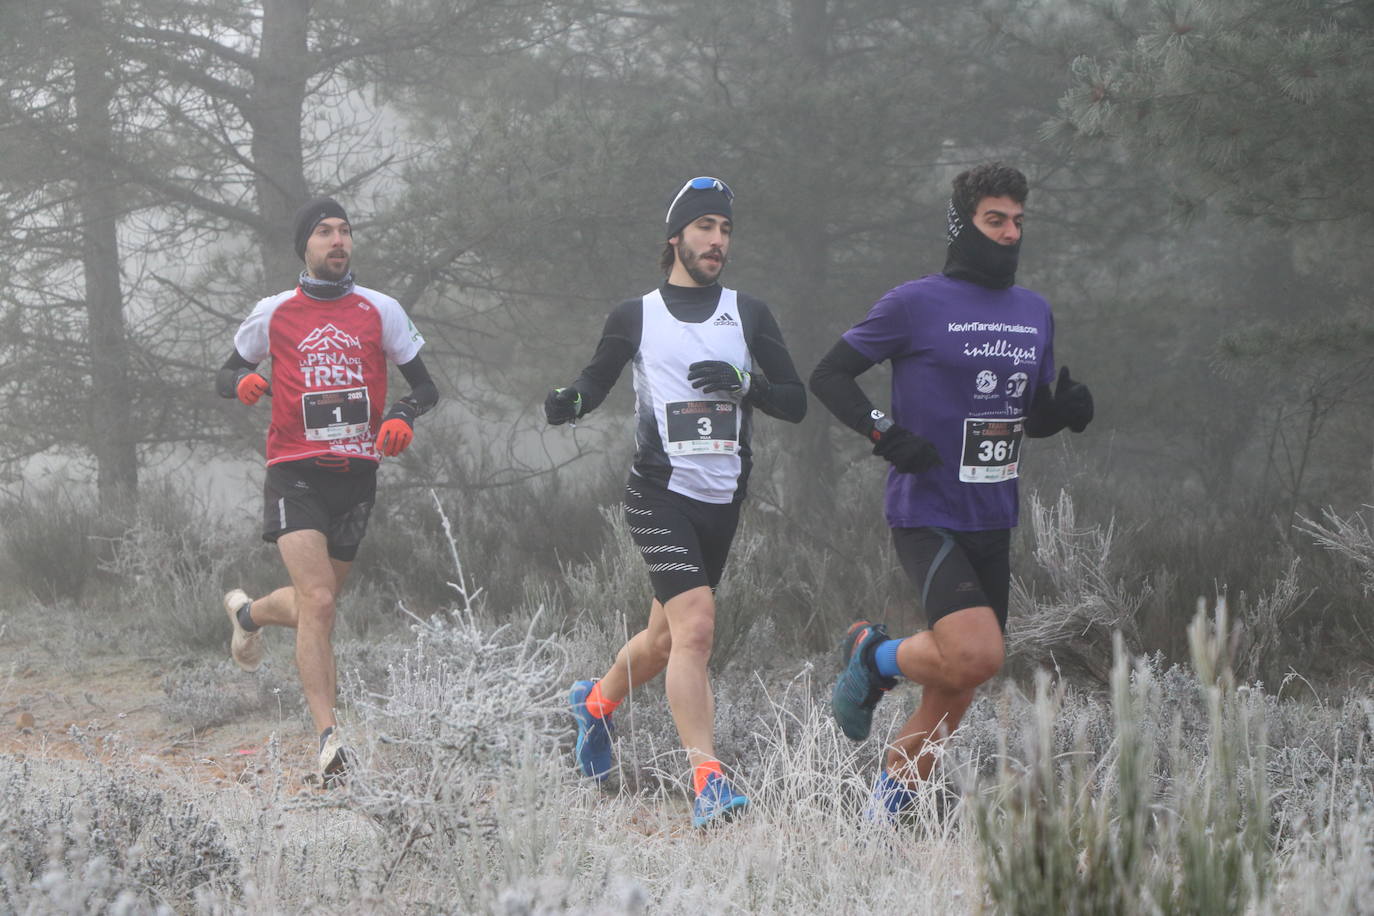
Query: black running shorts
column 683, row 541
column 300, row 495
column 957, row 569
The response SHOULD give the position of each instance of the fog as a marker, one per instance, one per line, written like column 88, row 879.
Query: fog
column 1195, row 218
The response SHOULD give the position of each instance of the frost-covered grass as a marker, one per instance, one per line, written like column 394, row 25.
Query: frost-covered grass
column 466, row 801
column 1173, row 788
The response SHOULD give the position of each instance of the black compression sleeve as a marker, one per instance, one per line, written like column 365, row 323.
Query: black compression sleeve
column 424, row 394
column 226, row 379
column 833, row 383
column 619, row 341
column 776, row 388
column 1042, row 419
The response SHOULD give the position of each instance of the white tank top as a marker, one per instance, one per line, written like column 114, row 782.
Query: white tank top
column 694, row 438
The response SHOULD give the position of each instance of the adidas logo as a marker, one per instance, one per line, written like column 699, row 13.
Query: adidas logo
column 725, row 319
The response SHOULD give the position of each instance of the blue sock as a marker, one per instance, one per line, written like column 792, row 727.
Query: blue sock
column 885, row 658
column 246, row 618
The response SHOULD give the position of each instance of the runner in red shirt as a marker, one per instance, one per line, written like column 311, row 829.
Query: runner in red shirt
column 329, row 341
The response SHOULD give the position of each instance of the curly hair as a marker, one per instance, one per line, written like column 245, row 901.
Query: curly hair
column 990, row 180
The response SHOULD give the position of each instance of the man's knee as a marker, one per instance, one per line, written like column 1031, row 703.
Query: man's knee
column 971, row 647
column 315, row 605
column 975, row 664
column 693, row 622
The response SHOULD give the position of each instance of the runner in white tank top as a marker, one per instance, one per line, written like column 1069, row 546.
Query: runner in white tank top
column 704, row 358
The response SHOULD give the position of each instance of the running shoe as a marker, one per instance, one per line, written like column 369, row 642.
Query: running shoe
column 244, row 647
column 334, row 761
column 593, row 749
column 890, row 797
column 859, row 687
column 717, row 802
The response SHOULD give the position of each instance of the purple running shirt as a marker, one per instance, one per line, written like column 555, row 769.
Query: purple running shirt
column 966, row 361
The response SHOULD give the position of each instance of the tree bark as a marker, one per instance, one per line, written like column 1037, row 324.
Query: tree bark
column 811, row 28
column 275, row 113
column 114, row 438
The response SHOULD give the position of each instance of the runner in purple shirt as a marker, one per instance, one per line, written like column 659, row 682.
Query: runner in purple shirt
column 972, row 375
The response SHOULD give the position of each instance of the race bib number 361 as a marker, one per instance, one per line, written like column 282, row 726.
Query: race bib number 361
column 992, row 450
column 341, row 414
column 702, row 427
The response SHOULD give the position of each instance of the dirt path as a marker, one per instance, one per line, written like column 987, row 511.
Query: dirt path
column 113, row 712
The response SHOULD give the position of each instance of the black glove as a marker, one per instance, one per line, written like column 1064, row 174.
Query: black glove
column 715, row 375
column 1073, row 402
column 906, row 451
column 562, row 405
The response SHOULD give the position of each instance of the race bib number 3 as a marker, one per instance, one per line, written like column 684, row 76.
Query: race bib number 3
column 341, row 414
column 992, row 450
column 702, row 427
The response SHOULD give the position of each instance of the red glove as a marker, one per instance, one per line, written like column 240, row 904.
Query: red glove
column 396, row 435
column 251, row 386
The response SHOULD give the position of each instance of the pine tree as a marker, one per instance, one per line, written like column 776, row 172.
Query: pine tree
column 1262, row 105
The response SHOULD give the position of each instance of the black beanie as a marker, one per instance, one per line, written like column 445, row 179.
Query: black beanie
column 309, row 216
column 694, row 203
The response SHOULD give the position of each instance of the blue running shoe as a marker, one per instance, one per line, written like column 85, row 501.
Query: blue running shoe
column 859, row 687
column 593, row 749
column 717, row 802
column 889, row 799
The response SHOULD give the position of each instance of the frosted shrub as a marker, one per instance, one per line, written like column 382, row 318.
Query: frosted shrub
column 206, row 694
column 609, row 596
column 1147, row 827
column 1350, row 538
column 51, row 545
column 460, row 715
column 1262, row 631
column 173, row 568
column 79, row 840
column 1088, row 599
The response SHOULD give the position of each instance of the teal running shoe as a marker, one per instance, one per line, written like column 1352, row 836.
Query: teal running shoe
column 593, row 749
column 717, row 802
column 889, row 799
column 859, row 687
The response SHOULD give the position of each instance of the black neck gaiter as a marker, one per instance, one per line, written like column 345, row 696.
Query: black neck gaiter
column 326, row 289
column 976, row 258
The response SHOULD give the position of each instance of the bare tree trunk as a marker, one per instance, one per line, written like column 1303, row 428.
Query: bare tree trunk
column 114, row 439
column 279, row 88
column 811, row 28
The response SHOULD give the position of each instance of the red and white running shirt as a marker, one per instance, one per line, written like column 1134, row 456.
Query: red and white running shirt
column 328, row 368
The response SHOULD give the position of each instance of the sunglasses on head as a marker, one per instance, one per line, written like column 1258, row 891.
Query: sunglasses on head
column 703, row 183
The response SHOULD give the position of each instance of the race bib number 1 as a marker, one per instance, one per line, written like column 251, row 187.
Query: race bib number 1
column 992, row 450
column 702, row 427
column 341, row 414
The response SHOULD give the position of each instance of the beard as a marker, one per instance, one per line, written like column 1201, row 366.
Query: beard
column 703, row 272
column 326, row 270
